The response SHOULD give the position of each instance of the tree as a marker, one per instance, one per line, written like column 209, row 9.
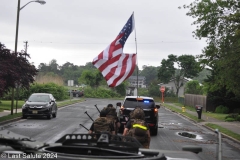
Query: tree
column 153, row 89
column 187, row 67
column 150, row 73
column 193, row 87
column 92, row 78
column 219, row 22
column 15, row 70
column 121, row 89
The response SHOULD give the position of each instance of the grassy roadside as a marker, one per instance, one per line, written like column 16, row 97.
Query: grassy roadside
column 60, row 104
column 176, row 108
column 224, row 130
column 209, row 114
column 179, row 110
column 6, row 105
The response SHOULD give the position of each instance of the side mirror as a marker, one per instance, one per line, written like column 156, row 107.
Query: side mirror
column 119, row 104
column 158, row 106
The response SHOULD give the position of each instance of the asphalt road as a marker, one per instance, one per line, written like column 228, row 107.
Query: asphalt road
column 168, row 138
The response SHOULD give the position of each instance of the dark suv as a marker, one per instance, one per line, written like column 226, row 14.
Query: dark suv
column 147, row 104
column 40, row 104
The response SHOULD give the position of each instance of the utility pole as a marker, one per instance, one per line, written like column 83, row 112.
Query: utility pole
column 26, row 46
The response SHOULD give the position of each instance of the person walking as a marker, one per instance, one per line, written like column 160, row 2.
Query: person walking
column 138, row 128
column 112, row 115
column 102, row 124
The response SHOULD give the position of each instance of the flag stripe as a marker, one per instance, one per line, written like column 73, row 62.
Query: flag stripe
column 126, row 70
column 114, row 65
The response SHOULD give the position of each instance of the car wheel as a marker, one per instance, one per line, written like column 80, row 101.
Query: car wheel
column 24, row 116
column 54, row 114
column 155, row 131
column 49, row 116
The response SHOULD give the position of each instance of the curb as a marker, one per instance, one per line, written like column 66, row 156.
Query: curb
column 11, row 120
column 223, row 135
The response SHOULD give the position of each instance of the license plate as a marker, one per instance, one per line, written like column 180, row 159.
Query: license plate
column 35, row 112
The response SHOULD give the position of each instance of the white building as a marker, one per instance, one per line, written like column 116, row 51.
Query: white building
column 140, row 80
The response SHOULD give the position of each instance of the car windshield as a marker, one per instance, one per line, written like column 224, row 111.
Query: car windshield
column 39, row 98
column 133, row 102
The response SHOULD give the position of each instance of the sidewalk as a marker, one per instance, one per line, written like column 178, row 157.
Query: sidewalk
column 7, row 112
column 232, row 126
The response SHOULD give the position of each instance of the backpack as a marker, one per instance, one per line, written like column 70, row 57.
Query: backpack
column 139, row 130
column 137, row 113
column 111, row 113
column 102, row 124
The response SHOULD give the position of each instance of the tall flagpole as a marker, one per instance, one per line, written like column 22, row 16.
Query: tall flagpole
column 136, row 51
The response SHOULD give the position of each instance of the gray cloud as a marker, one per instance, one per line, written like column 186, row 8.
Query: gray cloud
column 77, row 31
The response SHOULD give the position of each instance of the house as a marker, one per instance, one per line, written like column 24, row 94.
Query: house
column 141, row 81
column 133, row 81
column 171, row 86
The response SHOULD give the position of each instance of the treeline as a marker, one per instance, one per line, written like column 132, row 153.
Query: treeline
column 70, row 71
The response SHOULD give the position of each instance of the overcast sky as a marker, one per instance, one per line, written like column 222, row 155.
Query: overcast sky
column 77, row 31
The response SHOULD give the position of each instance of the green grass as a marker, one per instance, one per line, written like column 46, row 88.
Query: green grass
column 9, row 117
column 68, row 102
column 216, row 115
column 16, row 115
column 224, row 130
column 179, row 110
column 213, row 115
column 6, row 105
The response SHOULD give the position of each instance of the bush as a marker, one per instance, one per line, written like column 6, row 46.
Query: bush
column 100, row 93
column 236, row 110
column 222, row 109
column 59, row 92
column 143, row 92
column 230, row 119
column 238, row 118
column 232, row 115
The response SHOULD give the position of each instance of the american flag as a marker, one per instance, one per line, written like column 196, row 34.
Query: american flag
column 115, row 65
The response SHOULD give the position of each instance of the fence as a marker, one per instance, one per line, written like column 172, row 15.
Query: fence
column 192, row 100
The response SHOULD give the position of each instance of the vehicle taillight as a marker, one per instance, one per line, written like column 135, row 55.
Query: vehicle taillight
column 151, row 124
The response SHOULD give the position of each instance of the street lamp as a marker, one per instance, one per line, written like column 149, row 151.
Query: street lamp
column 16, row 37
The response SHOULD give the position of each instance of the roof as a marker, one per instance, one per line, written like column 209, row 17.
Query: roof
column 134, row 77
column 144, row 97
column 41, row 94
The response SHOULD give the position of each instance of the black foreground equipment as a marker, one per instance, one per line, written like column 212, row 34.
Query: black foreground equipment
column 101, row 145
column 87, row 147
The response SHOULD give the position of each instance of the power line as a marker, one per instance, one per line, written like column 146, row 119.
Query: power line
column 76, row 43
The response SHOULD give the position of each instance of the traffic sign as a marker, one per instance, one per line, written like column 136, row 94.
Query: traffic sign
column 162, row 89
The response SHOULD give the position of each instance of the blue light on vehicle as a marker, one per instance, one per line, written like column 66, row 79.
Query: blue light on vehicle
column 145, row 101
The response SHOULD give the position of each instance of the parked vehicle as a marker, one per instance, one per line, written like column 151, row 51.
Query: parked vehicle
column 76, row 93
column 40, row 104
column 149, row 107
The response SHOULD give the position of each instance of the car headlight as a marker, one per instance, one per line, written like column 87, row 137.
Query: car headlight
column 25, row 106
column 47, row 105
